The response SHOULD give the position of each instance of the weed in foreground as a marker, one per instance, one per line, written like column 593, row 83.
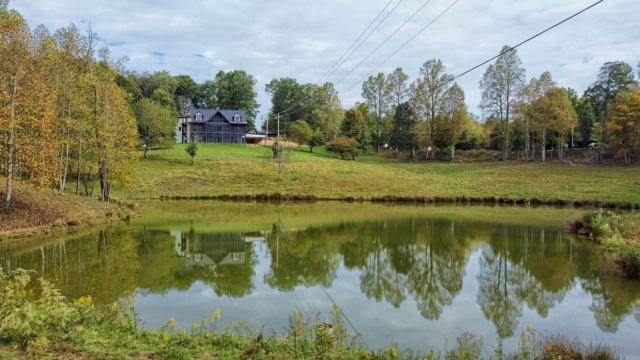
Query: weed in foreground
column 37, row 321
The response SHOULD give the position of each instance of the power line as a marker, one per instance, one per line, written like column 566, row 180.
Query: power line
column 467, row 71
column 405, row 44
column 341, row 60
column 529, row 39
column 373, row 51
column 384, row 41
column 344, row 315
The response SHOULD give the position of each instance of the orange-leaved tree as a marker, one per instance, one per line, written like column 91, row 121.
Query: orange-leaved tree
column 624, row 123
column 26, row 109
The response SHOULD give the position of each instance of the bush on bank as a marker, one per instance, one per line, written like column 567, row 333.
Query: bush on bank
column 619, row 234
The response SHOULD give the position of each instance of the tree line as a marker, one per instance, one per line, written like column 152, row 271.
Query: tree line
column 62, row 115
column 71, row 116
column 522, row 119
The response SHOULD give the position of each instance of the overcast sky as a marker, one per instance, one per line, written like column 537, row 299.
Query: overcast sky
column 303, row 39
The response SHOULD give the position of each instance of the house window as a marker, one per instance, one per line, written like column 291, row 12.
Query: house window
column 198, row 117
column 236, row 118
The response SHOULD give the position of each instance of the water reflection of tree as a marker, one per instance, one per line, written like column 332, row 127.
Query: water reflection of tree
column 380, row 281
column 301, row 258
column 103, row 264
column 612, row 300
column 496, row 296
column 420, row 258
column 520, row 266
column 438, row 267
column 157, row 254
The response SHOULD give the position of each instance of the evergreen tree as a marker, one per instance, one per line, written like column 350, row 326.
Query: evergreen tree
column 403, row 133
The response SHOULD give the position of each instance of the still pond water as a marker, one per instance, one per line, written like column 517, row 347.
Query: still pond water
column 414, row 278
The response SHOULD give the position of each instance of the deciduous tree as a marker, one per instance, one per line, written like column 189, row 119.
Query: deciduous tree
column 354, row 126
column 300, row 132
column 501, row 85
column 428, row 93
column 624, row 124
column 115, row 131
column 346, row 147
column 553, row 113
column 27, row 147
column 613, row 77
column 156, row 124
column 234, row 90
column 450, row 123
column 373, row 91
column 397, row 87
column 192, row 148
column 534, row 90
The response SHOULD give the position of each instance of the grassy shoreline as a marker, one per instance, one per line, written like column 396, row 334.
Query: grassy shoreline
column 36, row 321
column 225, row 171
column 620, row 236
column 247, row 173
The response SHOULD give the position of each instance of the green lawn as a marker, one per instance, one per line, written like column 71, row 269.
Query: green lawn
column 224, row 169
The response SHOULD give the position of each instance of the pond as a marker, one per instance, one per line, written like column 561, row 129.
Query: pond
column 416, row 276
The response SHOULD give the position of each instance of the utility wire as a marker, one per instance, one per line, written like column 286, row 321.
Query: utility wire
column 344, row 315
column 404, row 44
column 287, row 111
column 529, row 39
column 476, row 66
column 384, row 41
column 342, row 58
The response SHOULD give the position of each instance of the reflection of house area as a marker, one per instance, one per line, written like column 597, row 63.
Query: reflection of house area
column 211, row 250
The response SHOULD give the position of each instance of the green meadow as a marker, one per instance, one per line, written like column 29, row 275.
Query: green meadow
column 225, row 169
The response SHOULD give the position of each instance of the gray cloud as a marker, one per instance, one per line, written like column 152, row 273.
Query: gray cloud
column 302, row 39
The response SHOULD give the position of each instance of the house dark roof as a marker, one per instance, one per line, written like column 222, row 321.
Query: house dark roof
column 228, row 115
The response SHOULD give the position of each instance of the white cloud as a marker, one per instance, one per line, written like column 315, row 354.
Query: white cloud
column 271, row 39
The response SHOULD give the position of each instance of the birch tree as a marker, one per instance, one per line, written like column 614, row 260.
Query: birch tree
column 553, row 114
column 501, row 85
column 429, row 92
column 115, row 132
column 25, row 110
column 396, row 87
column 373, row 91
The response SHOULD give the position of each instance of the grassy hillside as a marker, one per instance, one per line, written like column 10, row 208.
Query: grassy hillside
column 249, row 170
column 43, row 211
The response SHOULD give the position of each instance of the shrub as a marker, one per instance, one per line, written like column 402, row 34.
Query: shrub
column 609, row 229
column 30, row 314
column 344, row 146
column 560, row 348
column 600, row 225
